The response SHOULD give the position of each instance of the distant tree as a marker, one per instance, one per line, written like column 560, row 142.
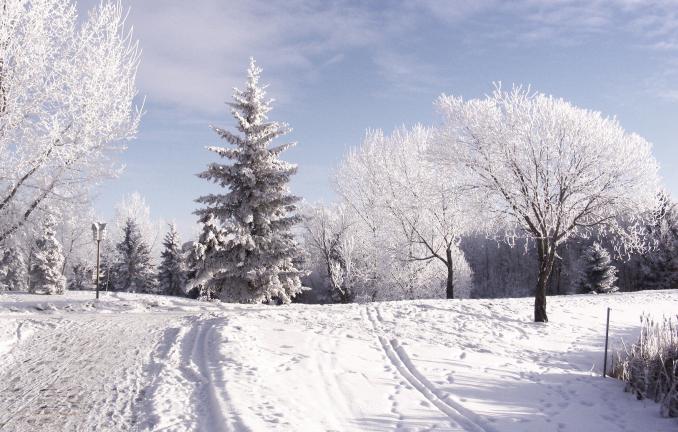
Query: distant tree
column 545, row 171
column 107, row 262
column 47, row 262
column 13, row 269
column 328, row 238
column 134, row 206
column 259, row 259
column 172, row 271
column 75, row 235
column 389, row 176
column 81, row 277
column 133, row 271
column 597, row 272
column 659, row 266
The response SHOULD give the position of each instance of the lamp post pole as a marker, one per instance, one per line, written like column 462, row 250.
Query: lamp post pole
column 98, row 234
column 98, row 246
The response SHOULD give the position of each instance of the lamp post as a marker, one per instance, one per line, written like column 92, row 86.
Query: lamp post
column 98, row 234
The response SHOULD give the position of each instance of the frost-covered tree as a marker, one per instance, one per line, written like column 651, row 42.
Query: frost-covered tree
column 107, row 263
column 47, row 262
column 66, row 102
column 423, row 205
column 172, row 271
column 210, row 241
column 81, row 277
column 659, row 266
column 329, row 239
column 259, row 260
column 75, row 235
column 547, row 171
column 133, row 271
column 13, row 269
column 134, row 206
column 598, row 274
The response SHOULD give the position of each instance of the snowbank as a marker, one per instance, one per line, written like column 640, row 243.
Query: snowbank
column 134, row 361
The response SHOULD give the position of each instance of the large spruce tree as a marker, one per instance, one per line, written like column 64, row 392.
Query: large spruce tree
column 259, row 260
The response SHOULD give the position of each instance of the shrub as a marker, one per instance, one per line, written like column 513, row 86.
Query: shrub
column 650, row 367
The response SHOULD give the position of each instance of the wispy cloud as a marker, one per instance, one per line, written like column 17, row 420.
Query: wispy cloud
column 195, row 52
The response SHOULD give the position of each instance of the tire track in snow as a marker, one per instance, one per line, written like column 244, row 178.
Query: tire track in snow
column 403, row 364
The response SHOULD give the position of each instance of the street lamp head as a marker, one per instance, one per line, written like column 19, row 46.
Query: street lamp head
column 98, row 231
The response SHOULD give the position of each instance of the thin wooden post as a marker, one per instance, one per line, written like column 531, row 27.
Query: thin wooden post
column 607, row 333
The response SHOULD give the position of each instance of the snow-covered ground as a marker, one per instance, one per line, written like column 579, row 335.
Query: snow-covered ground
column 141, row 362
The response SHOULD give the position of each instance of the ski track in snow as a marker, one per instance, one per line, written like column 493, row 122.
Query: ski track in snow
column 148, row 363
column 403, row 364
column 184, row 372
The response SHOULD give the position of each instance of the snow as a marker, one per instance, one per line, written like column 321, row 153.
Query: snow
column 146, row 362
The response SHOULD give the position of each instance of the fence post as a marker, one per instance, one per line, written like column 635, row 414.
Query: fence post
column 607, row 332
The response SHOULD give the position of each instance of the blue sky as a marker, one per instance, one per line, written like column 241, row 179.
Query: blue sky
column 339, row 67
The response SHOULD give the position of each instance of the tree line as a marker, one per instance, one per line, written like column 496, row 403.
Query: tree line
column 515, row 193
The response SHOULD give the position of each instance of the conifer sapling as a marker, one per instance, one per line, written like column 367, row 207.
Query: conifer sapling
column 598, row 273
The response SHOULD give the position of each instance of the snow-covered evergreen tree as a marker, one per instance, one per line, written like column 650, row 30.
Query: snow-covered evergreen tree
column 597, row 274
column 13, row 270
column 133, row 271
column 260, row 259
column 172, row 272
column 81, row 277
column 107, row 263
column 47, row 262
column 210, row 241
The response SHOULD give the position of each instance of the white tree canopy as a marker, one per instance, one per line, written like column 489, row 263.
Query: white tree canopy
column 548, row 171
column 66, row 101
column 134, row 206
column 416, row 209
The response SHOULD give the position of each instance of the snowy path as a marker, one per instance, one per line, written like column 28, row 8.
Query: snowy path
column 147, row 363
column 76, row 373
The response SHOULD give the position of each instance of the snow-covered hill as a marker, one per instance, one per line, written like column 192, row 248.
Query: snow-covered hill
column 141, row 362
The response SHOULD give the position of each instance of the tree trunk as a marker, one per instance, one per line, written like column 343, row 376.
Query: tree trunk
column 546, row 255
column 450, row 274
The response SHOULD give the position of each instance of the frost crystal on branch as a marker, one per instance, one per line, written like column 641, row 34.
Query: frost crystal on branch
column 258, row 259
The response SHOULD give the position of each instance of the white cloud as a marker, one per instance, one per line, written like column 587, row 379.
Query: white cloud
column 194, row 53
